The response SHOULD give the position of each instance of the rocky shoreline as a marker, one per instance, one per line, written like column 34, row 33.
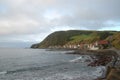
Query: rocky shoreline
column 95, row 52
column 109, row 58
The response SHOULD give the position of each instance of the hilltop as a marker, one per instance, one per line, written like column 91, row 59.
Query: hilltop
column 62, row 38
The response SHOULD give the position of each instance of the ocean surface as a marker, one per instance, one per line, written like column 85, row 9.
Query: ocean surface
column 41, row 64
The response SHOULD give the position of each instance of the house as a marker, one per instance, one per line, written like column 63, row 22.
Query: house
column 94, row 46
column 103, row 44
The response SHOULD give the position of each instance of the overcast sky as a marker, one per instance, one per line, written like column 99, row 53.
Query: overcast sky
column 23, row 22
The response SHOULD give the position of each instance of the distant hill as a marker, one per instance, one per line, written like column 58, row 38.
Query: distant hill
column 61, row 38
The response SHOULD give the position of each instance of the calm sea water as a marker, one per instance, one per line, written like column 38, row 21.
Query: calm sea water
column 40, row 64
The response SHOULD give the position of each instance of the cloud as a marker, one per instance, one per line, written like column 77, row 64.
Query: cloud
column 30, row 19
column 92, row 14
column 19, row 24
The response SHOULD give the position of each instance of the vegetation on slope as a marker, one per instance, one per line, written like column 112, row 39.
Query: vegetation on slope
column 78, row 36
column 116, row 40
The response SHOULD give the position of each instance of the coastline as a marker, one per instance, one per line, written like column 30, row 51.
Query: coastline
column 96, row 52
column 106, row 59
column 109, row 58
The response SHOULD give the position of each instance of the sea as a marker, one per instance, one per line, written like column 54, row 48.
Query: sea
column 43, row 64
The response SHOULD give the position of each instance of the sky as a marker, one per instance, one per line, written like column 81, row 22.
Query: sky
column 24, row 22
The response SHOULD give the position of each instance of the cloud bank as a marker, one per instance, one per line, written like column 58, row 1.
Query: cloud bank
column 32, row 20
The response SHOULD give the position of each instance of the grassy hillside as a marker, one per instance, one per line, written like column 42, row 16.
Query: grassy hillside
column 78, row 36
column 116, row 40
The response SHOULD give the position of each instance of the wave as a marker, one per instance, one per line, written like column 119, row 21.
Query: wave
column 3, row 72
column 32, row 68
column 76, row 59
column 84, row 58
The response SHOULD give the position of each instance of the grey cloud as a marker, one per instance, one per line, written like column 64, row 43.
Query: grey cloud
column 33, row 17
column 93, row 14
column 84, row 13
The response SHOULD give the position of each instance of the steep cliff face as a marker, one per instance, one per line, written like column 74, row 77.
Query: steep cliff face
column 61, row 38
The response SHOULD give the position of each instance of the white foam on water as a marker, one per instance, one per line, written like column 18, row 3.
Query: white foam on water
column 63, row 76
column 69, row 75
column 3, row 72
column 100, row 72
column 81, row 59
column 76, row 59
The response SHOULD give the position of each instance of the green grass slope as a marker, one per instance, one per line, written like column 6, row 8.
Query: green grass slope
column 61, row 38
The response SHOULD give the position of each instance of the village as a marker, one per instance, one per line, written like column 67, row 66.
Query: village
column 102, row 44
column 107, row 58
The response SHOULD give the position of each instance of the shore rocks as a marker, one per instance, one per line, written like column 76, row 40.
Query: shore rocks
column 101, row 61
column 107, row 58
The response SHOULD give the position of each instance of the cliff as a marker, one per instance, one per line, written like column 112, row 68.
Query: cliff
column 61, row 38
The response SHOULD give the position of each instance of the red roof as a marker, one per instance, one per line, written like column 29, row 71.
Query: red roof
column 103, row 42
